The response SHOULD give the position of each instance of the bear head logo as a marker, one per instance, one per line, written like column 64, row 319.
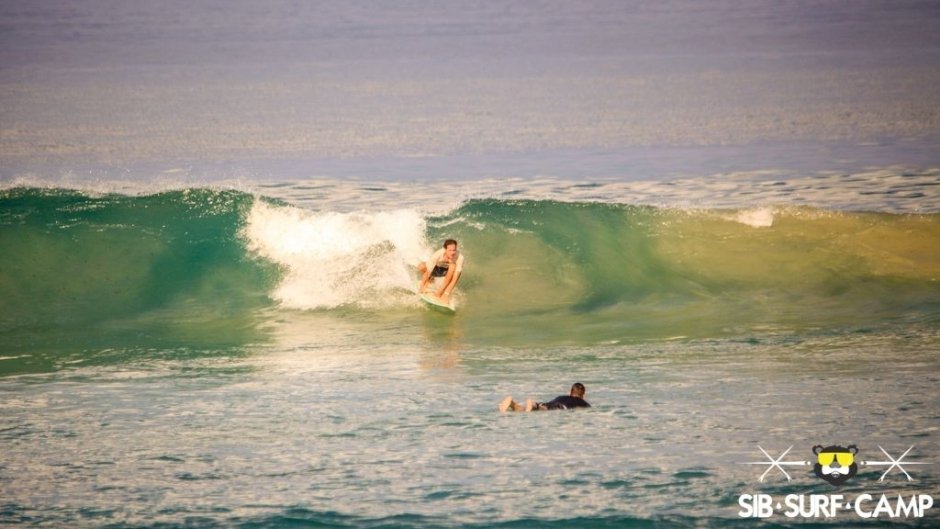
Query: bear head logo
column 835, row 464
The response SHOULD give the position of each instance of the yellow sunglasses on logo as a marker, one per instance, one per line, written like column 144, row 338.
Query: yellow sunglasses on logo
column 844, row 458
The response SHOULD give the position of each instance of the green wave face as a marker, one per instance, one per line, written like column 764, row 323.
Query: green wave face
column 81, row 271
column 210, row 270
column 590, row 273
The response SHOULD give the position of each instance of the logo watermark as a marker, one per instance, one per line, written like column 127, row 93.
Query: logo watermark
column 835, row 464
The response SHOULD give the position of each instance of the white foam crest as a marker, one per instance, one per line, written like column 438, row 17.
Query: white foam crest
column 756, row 218
column 332, row 259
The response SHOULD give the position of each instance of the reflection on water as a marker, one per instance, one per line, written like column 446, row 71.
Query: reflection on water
column 443, row 337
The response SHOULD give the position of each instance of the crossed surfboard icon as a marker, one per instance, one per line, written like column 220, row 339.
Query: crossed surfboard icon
column 779, row 463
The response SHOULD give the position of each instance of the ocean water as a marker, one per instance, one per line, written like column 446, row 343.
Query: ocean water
column 213, row 357
column 724, row 220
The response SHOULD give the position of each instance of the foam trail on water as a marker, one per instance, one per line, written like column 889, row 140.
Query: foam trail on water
column 331, row 259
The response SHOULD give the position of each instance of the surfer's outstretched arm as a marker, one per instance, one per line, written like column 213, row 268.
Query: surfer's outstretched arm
column 450, row 282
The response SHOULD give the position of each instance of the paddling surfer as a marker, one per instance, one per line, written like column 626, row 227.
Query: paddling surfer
column 574, row 399
column 447, row 262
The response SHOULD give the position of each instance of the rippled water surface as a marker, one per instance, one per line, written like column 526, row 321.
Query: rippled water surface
column 365, row 436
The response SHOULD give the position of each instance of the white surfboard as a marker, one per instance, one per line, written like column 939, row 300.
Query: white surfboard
column 435, row 302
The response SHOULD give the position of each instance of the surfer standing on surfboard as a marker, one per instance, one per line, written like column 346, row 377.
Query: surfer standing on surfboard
column 447, row 263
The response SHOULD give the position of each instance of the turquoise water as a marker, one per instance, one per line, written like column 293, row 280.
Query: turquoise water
column 210, row 357
column 216, row 268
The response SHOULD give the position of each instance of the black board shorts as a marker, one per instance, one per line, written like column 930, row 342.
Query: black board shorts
column 438, row 271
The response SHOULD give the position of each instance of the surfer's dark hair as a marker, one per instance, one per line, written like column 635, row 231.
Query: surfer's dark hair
column 577, row 390
column 448, row 242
